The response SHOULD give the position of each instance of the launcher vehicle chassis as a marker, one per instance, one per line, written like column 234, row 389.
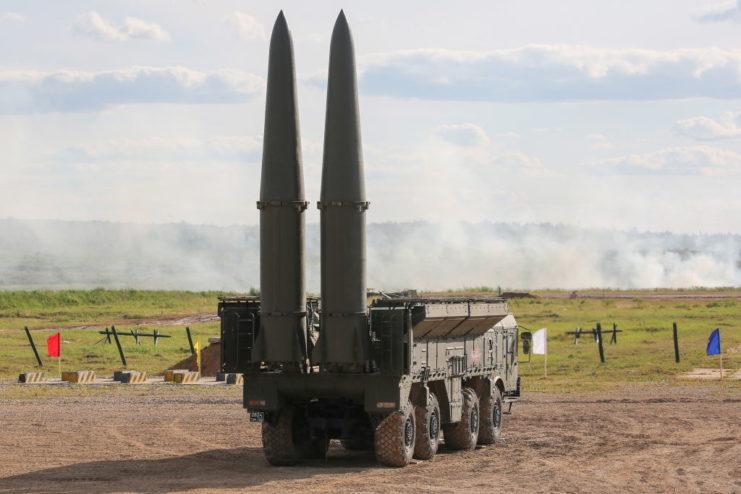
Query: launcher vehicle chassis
column 434, row 366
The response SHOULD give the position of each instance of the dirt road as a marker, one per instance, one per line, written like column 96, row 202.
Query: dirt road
column 166, row 439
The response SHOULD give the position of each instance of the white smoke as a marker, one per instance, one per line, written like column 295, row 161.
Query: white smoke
column 420, row 255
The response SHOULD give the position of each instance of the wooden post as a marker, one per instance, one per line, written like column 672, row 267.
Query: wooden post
column 199, row 356
column 135, row 334
column 577, row 333
column 33, row 346
column 156, row 334
column 190, row 340
column 613, row 340
column 598, row 331
column 118, row 344
column 676, row 342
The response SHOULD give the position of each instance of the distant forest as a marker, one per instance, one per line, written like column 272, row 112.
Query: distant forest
column 422, row 255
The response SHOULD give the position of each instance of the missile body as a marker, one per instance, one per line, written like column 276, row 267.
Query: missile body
column 343, row 342
column 282, row 335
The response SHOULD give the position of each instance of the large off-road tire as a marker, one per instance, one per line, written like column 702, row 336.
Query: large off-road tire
column 286, row 439
column 394, row 438
column 427, row 420
column 277, row 438
column 464, row 434
column 490, row 423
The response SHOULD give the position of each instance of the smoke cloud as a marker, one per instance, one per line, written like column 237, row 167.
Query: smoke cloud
column 420, row 255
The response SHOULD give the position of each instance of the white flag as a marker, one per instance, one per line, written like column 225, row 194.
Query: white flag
column 540, row 342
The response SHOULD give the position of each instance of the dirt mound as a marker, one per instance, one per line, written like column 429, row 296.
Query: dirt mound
column 210, row 361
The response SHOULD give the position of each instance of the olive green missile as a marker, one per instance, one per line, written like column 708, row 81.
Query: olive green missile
column 343, row 341
column 282, row 335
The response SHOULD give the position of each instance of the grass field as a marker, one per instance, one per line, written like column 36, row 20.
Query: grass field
column 46, row 312
column 644, row 352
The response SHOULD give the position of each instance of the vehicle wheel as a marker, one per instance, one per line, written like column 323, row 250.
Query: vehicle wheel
column 286, row 438
column 490, row 424
column 277, row 438
column 394, row 438
column 428, row 429
column 464, row 434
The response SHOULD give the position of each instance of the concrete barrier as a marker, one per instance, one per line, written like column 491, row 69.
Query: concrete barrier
column 31, row 377
column 133, row 377
column 186, row 377
column 170, row 374
column 80, row 377
column 235, row 378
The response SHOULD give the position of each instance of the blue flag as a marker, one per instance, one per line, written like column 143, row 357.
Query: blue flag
column 714, row 343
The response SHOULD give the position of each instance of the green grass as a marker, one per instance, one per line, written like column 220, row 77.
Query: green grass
column 644, row 353
column 66, row 310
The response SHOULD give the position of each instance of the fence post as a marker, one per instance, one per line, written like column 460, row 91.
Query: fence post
column 598, row 332
column 676, row 342
column 33, row 346
column 190, row 340
column 613, row 340
column 118, row 344
column 577, row 334
column 156, row 334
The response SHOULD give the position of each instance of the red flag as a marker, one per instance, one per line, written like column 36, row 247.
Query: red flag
column 53, row 346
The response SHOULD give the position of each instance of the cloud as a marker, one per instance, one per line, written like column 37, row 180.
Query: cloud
column 708, row 129
column 555, row 73
column 220, row 148
column 69, row 91
column 695, row 160
column 466, row 134
column 599, row 141
column 730, row 11
column 93, row 25
column 12, row 17
column 247, row 26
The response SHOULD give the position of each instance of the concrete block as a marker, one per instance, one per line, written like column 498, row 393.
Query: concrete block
column 170, row 374
column 235, row 378
column 186, row 377
column 31, row 377
column 80, row 377
column 133, row 377
column 220, row 376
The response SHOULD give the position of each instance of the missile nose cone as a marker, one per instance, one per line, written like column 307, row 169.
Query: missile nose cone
column 342, row 174
column 281, row 161
column 280, row 27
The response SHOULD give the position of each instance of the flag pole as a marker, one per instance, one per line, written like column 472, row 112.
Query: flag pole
column 545, row 365
column 721, row 365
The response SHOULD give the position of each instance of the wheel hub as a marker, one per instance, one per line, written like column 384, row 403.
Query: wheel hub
column 474, row 421
column 408, row 431
column 434, row 425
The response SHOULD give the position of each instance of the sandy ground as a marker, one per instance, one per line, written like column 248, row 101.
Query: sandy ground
column 647, row 439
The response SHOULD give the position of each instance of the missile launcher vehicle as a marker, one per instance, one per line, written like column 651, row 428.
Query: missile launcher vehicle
column 395, row 376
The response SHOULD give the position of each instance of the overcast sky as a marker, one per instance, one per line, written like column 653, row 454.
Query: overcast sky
column 592, row 113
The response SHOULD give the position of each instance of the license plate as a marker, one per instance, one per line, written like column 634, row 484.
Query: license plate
column 257, row 416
